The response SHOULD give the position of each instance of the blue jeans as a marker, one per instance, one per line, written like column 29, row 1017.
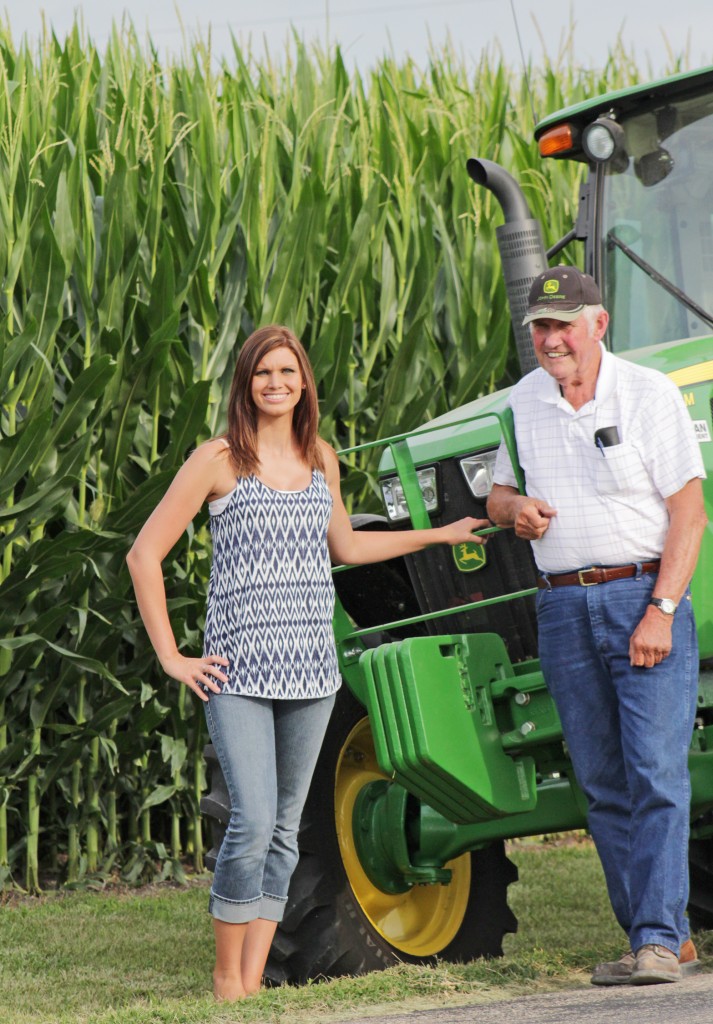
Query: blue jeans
column 628, row 731
column 267, row 750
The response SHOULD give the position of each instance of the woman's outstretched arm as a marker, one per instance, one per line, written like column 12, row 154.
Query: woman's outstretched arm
column 351, row 547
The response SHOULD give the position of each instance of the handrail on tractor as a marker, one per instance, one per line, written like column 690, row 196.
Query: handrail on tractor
column 406, row 472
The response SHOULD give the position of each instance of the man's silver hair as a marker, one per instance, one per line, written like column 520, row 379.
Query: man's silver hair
column 590, row 313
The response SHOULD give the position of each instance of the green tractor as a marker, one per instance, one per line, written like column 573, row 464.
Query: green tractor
column 444, row 741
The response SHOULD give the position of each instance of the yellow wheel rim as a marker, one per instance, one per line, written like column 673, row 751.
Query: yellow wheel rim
column 425, row 919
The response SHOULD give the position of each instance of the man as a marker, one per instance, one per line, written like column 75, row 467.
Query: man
column 614, row 510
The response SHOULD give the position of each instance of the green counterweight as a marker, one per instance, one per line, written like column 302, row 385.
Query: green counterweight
column 480, row 746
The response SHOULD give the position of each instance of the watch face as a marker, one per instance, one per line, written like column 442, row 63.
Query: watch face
column 665, row 604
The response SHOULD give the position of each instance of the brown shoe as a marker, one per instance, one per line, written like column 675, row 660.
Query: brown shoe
column 655, row 964
column 618, row 972
column 688, row 958
column 614, row 972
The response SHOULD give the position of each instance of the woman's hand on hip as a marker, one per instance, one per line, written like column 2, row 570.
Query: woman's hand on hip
column 197, row 673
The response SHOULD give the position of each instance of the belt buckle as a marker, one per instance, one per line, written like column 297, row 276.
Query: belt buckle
column 582, row 582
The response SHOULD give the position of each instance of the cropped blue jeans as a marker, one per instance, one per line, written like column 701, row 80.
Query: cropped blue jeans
column 628, row 731
column 267, row 750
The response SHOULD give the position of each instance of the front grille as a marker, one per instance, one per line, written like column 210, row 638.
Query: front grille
column 439, row 583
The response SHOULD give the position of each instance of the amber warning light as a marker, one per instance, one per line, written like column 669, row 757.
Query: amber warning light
column 557, row 141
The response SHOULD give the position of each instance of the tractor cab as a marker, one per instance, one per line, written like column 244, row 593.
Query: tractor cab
column 646, row 211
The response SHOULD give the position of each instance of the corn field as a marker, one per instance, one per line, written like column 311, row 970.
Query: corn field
column 151, row 215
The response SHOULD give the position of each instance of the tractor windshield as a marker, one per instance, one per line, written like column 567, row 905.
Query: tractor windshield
column 657, row 226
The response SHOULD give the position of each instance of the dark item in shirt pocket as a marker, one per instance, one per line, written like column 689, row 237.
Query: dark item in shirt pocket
column 606, row 437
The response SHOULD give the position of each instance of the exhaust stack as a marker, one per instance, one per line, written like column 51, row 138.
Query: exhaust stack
column 522, row 251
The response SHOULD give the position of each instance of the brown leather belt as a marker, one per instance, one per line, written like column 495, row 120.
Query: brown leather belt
column 596, row 574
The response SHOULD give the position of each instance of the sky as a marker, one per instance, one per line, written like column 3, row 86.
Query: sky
column 366, row 29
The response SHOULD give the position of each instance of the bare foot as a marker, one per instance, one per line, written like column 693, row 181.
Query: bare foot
column 227, row 988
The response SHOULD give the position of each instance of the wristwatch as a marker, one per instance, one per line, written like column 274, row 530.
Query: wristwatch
column 665, row 604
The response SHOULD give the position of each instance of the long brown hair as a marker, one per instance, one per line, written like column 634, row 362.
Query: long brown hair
column 241, row 434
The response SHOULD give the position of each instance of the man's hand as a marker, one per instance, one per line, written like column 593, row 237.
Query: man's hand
column 529, row 517
column 532, row 518
column 651, row 640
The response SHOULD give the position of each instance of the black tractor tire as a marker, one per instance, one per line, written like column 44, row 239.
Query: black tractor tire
column 700, row 898
column 329, row 930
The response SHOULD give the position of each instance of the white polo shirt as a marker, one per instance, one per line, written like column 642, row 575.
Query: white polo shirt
column 610, row 505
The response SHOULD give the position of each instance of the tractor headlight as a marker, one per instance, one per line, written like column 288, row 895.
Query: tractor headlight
column 603, row 142
column 395, row 500
column 478, row 472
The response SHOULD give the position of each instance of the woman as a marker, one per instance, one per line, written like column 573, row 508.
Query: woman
column 269, row 672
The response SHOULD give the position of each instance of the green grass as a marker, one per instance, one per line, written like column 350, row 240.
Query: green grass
column 561, row 903
column 123, row 958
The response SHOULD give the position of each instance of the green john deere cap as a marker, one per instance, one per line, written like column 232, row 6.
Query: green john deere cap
column 561, row 293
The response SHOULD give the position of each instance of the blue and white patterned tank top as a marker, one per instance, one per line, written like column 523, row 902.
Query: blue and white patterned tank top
column 271, row 595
